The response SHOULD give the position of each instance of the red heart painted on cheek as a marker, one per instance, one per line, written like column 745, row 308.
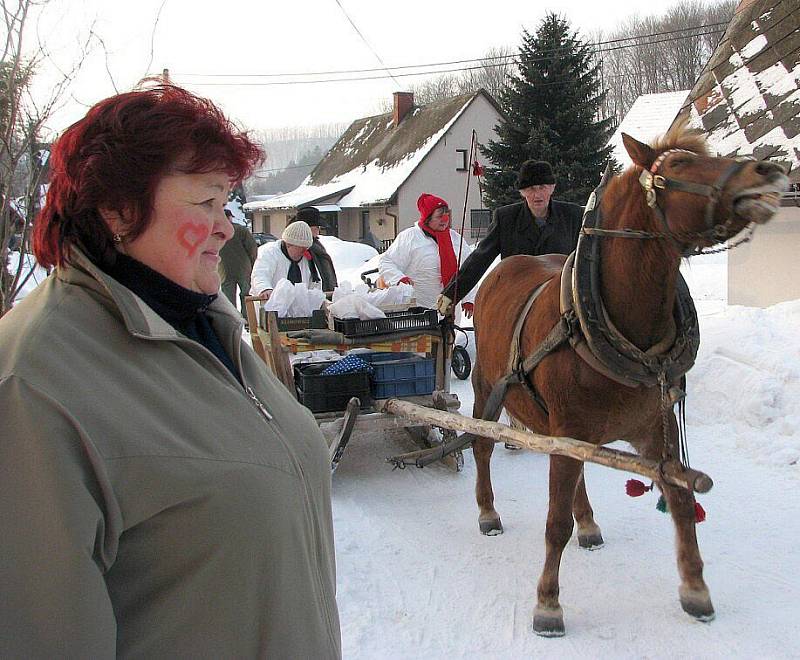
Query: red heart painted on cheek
column 191, row 235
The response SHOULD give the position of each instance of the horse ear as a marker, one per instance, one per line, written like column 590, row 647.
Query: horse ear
column 640, row 153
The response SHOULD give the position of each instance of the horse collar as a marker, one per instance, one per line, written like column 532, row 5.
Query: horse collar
column 610, row 352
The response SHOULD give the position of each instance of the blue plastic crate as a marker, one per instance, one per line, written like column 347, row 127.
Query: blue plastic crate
column 401, row 374
column 399, row 366
column 407, row 387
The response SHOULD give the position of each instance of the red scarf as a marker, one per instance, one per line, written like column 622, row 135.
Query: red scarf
column 447, row 256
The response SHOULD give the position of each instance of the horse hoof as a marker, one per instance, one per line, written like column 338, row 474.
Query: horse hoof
column 491, row 527
column 548, row 621
column 591, row 541
column 697, row 604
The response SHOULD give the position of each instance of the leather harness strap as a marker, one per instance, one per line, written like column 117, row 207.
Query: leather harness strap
column 519, row 369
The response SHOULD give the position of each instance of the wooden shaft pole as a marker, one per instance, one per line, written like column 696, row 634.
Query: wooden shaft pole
column 671, row 471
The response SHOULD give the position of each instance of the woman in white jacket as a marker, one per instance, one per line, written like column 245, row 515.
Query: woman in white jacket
column 286, row 259
column 426, row 254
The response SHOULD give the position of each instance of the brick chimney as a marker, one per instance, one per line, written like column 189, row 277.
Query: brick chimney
column 403, row 102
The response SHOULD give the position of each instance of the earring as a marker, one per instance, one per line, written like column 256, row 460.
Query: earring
column 117, row 238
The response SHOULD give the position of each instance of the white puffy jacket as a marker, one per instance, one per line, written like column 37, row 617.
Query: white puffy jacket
column 271, row 266
column 414, row 254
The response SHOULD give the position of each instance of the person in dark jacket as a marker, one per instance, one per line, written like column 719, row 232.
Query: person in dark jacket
column 537, row 225
column 237, row 257
column 322, row 260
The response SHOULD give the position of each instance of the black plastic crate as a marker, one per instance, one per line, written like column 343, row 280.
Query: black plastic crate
column 290, row 323
column 329, row 392
column 414, row 318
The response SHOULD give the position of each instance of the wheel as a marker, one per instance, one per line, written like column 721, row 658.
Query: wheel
column 461, row 362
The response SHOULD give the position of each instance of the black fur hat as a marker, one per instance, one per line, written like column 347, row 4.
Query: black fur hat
column 311, row 216
column 534, row 173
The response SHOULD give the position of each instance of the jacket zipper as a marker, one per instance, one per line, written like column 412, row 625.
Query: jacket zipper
column 261, row 407
column 306, row 495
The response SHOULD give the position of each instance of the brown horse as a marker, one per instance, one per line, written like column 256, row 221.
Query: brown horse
column 638, row 286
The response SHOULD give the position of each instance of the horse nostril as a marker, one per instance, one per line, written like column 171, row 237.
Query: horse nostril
column 765, row 168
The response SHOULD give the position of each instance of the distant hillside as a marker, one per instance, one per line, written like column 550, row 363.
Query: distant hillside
column 291, row 154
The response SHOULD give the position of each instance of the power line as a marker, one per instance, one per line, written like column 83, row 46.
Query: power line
column 486, row 58
column 422, row 73
column 364, row 39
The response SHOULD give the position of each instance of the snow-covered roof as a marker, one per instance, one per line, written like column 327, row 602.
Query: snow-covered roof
column 650, row 116
column 373, row 158
column 747, row 99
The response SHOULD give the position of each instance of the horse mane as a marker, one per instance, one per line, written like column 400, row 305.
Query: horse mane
column 680, row 136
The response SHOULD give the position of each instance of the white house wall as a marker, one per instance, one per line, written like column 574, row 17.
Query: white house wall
column 437, row 173
column 766, row 270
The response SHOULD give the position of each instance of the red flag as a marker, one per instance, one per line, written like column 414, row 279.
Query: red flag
column 477, row 169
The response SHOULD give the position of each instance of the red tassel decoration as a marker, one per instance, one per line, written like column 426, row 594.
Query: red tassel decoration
column 635, row 488
column 699, row 513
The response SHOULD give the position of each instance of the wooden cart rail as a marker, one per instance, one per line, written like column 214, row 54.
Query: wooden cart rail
column 670, row 471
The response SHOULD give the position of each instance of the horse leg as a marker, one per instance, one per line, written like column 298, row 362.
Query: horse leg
column 589, row 535
column 488, row 519
column 694, row 596
column 548, row 618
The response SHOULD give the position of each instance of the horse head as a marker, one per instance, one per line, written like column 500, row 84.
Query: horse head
column 699, row 199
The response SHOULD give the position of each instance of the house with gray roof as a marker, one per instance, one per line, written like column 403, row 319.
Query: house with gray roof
column 747, row 102
column 367, row 185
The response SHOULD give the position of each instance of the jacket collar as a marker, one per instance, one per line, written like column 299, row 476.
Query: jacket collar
column 526, row 223
column 139, row 318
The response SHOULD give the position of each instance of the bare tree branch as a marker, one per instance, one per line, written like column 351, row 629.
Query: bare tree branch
column 153, row 38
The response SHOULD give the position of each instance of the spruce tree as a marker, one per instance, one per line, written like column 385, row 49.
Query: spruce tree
column 551, row 104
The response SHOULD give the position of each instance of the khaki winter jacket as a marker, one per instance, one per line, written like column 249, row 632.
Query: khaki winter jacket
column 150, row 506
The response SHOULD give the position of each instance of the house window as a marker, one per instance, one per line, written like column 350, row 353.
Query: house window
column 479, row 220
column 463, row 160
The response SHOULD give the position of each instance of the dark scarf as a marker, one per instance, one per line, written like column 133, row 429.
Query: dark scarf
column 183, row 309
column 448, row 265
column 294, row 275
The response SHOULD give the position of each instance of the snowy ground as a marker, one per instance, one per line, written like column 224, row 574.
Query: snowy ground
column 417, row 580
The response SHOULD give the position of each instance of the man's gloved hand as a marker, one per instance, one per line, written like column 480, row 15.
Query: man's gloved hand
column 468, row 309
column 405, row 280
column 444, row 305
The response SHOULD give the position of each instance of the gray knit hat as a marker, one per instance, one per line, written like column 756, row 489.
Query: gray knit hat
column 298, row 233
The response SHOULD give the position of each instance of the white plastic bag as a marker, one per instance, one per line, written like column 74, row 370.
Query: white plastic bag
column 294, row 300
column 399, row 294
column 355, row 306
column 281, row 299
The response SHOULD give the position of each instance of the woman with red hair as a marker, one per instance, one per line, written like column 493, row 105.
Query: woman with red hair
column 162, row 494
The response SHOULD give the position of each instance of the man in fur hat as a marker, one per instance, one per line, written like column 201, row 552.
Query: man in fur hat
column 537, row 225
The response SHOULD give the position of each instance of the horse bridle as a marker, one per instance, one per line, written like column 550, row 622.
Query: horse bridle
column 651, row 182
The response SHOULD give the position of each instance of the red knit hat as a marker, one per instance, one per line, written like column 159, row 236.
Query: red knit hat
column 427, row 204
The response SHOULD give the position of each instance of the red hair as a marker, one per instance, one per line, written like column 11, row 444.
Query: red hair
column 115, row 157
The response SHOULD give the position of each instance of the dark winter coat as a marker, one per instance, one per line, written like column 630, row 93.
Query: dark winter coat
column 238, row 255
column 514, row 231
column 324, row 264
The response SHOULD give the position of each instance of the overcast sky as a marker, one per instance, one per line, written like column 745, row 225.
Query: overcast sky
column 197, row 39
